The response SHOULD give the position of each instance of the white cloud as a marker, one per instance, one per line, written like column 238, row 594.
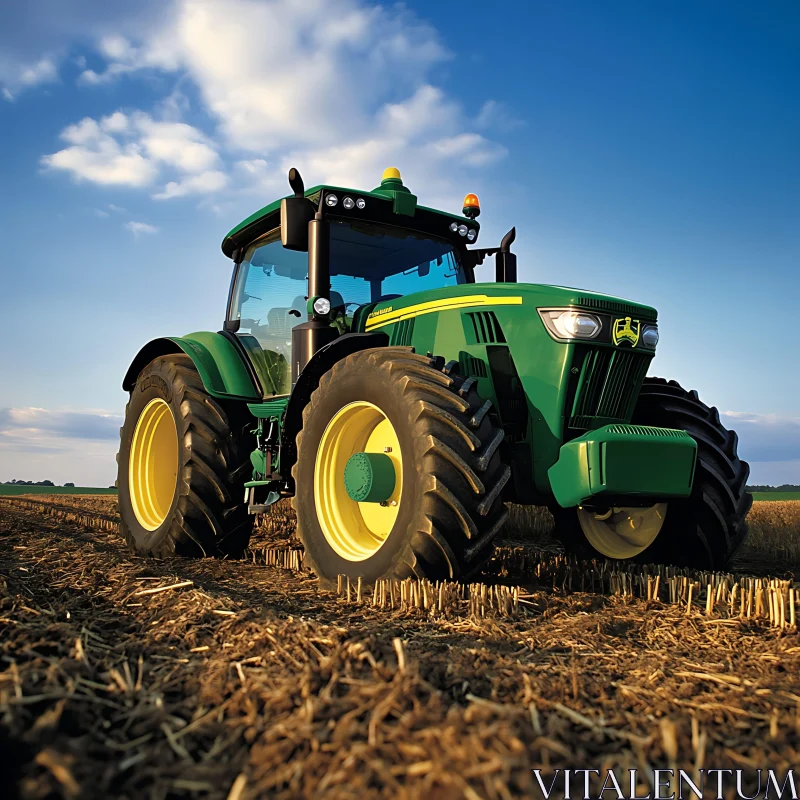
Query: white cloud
column 134, row 150
column 316, row 75
column 123, row 57
column 18, row 77
column 42, row 444
column 140, row 228
column 95, row 154
column 496, row 115
column 211, row 181
column 339, row 88
column 43, row 71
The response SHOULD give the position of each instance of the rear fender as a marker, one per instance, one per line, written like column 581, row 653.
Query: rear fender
column 221, row 366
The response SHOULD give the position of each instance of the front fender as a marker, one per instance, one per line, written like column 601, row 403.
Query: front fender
column 221, row 367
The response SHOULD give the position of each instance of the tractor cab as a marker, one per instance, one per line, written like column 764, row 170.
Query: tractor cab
column 321, row 260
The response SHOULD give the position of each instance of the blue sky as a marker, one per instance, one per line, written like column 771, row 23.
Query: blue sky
column 650, row 150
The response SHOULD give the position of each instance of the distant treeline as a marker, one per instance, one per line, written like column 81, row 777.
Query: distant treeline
column 787, row 487
column 32, row 483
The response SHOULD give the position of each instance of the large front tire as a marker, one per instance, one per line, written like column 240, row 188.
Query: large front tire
column 703, row 530
column 183, row 461
column 446, row 505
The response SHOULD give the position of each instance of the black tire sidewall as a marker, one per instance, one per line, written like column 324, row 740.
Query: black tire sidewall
column 381, row 388
column 154, row 382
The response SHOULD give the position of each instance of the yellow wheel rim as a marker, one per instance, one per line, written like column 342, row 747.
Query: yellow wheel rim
column 153, row 464
column 355, row 530
column 622, row 532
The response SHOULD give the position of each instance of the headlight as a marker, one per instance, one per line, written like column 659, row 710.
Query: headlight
column 650, row 336
column 454, row 227
column 322, row 306
column 462, row 230
column 348, row 203
column 471, row 234
column 361, row 203
column 331, row 200
column 568, row 323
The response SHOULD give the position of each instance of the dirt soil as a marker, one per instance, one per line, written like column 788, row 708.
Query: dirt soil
column 238, row 680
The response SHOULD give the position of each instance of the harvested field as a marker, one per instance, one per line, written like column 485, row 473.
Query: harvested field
column 7, row 489
column 128, row 677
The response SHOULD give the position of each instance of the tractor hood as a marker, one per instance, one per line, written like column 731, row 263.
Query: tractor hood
column 544, row 387
column 519, row 302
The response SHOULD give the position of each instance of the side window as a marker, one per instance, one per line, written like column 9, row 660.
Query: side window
column 269, row 300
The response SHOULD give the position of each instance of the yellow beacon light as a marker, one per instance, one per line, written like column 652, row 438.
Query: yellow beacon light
column 472, row 206
column 391, row 174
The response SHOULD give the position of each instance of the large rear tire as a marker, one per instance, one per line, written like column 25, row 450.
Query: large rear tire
column 705, row 529
column 446, row 505
column 183, row 462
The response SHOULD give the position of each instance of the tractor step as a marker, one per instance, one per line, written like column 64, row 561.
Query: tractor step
column 249, row 496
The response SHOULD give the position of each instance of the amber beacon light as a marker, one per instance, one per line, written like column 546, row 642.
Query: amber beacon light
column 472, row 206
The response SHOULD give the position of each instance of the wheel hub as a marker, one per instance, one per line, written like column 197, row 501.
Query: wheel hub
column 622, row 532
column 358, row 480
column 369, row 477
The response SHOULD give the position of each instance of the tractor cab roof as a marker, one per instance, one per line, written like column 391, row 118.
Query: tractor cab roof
column 391, row 203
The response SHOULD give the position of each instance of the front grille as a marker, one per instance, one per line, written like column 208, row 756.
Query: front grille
column 607, row 386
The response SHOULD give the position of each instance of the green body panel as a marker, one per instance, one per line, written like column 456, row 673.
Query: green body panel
column 222, row 370
column 544, row 366
column 624, row 460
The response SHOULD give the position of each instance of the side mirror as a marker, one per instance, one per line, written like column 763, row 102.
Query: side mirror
column 296, row 213
column 423, row 270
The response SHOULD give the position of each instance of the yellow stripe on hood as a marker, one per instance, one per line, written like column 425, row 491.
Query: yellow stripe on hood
column 387, row 316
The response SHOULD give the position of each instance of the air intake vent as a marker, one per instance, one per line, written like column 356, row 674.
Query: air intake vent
column 614, row 307
column 472, row 367
column 402, row 332
column 641, row 430
column 485, row 327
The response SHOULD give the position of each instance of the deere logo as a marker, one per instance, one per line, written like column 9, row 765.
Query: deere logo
column 379, row 312
column 626, row 330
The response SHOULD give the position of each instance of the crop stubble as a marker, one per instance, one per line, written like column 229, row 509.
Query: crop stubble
column 128, row 677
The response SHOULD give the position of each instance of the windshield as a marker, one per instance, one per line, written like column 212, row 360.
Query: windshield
column 371, row 262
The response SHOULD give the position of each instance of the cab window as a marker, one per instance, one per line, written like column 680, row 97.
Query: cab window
column 269, row 299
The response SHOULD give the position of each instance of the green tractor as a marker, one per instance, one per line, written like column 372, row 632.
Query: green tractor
column 364, row 373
